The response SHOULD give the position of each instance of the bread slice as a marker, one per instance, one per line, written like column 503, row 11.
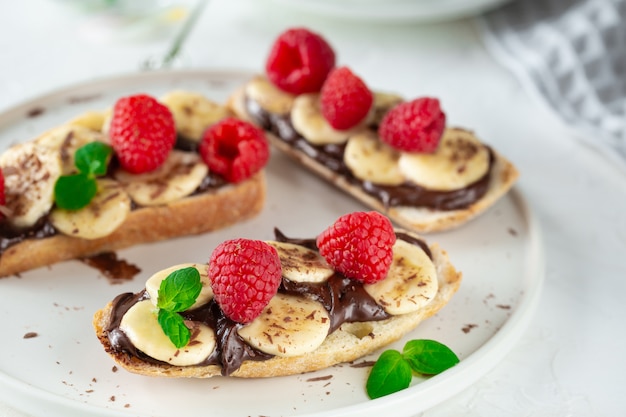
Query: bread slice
column 420, row 219
column 348, row 343
column 206, row 208
column 196, row 214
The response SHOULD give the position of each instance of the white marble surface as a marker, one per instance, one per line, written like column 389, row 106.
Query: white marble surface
column 570, row 361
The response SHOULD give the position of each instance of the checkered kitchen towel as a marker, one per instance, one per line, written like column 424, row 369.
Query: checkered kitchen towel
column 573, row 53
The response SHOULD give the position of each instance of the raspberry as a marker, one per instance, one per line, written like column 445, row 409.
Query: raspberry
column 359, row 245
column 245, row 275
column 345, row 99
column 414, row 126
column 234, row 149
column 299, row 61
column 142, row 133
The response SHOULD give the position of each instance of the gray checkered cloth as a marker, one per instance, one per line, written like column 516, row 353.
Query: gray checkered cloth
column 573, row 53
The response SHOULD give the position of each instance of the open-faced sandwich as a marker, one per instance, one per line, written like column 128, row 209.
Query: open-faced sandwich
column 397, row 156
column 147, row 170
column 282, row 307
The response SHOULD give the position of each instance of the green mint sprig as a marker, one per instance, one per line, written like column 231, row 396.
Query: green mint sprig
column 393, row 370
column 177, row 293
column 75, row 191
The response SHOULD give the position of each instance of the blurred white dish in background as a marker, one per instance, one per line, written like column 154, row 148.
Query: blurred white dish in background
column 128, row 8
column 129, row 20
column 394, row 10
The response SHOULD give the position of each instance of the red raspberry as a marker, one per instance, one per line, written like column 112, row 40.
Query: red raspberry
column 359, row 245
column 345, row 99
column 234, row 149
column 142, row 133
column 245, row 275
column 299, row 61
column 414, row 126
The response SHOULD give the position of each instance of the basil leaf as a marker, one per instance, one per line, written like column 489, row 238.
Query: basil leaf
column 174, row 327
column 390, row 373
column 93, row 158
column 429, row 357
column 73, row 192
column 179, row 290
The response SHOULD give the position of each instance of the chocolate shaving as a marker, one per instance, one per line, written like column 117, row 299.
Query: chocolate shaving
column 320, row 378
column 363, row 364
column 35, row 112
column 468, row 328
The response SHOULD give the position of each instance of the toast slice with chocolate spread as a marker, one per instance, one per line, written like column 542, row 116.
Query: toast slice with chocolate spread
column 89, row 186
column 317, row 318
column 394, row 155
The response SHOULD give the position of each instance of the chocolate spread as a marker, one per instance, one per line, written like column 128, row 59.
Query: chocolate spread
column 230, row 349
column 10, row 236
column 345, row 300
column 331, row 156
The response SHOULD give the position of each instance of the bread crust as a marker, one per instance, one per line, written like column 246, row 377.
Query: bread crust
column 195, row 214
column 350, row 342
column 420, row 219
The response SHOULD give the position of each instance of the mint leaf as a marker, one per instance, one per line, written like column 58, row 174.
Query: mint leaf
column 179, row 290
column 174, row 327
column 393, row 370
column 429, row 357
column 93, row 158
column 390, row 373
column 73, row 192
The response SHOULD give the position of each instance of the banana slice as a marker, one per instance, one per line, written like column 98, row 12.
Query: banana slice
column 369, row 159
column 288, row 326
column 177, row 178
column 30, row 172
column 459, row 160
column 300, row 264
column 308, row 121
column 411, row 282
column 142, row 328
column 193, row 113
column 93, row 120
column 206, row 294
column 106, row 123
column 105, row 213
column 66, row 140
column 383, row 102
column 269, row 97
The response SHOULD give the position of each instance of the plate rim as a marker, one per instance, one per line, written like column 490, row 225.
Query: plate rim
column 20, row 109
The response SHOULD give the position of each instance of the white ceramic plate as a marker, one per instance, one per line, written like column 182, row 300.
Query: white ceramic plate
column 64, row 372
column 393, row 10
